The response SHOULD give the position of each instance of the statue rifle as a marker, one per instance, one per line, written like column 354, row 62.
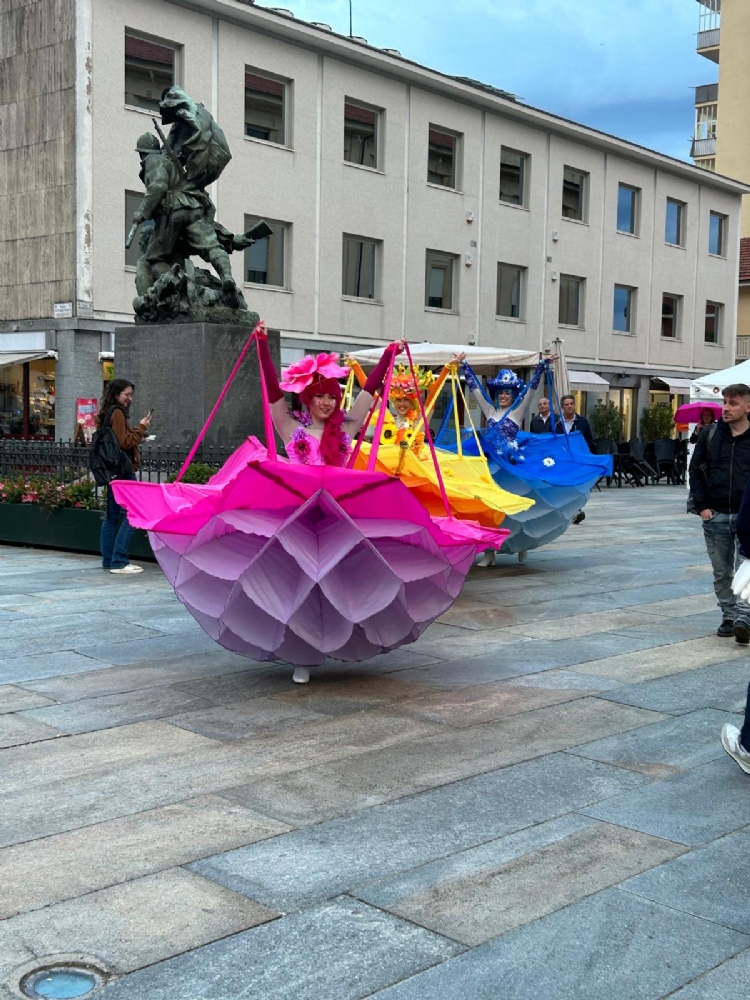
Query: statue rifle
column 168, row 149
column 131, row 235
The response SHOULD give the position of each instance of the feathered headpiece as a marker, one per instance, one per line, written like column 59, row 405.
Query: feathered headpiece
column 311, row 370
column 404, row 385
column 506, row 380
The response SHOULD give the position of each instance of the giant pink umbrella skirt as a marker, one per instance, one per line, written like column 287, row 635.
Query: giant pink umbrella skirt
column 297, row 563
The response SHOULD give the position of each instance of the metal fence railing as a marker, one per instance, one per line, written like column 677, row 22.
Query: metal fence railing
column 68, row 463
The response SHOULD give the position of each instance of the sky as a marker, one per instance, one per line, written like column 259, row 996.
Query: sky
column 623, row 66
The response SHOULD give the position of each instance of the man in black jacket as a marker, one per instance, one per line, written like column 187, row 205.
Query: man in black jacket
column 569, row 421
column 719, row 471
column 574, row 422
column 542, row 422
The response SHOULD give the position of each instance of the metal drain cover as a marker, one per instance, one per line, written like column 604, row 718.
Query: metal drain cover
column 60, row 983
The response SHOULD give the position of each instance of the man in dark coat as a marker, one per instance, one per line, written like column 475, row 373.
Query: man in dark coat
column 572, row 421
column 569, row 421
column 543, row 422
column 719, row 472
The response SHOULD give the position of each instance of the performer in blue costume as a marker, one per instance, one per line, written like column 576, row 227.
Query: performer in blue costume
column 556, row 470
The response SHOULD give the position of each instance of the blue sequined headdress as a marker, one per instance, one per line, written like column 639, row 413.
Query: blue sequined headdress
column 506, row 380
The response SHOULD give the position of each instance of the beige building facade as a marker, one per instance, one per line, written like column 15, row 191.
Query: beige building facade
column 721, row 141
column 404, row 202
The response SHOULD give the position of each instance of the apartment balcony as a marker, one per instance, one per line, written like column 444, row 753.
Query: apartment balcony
column 708, row 44
column 707, row 93
column 703, row 147
column 709, row 29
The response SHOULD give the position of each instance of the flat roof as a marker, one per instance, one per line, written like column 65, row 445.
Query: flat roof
column 485, row 96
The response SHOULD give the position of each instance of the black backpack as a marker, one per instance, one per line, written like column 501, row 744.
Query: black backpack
column 107, row 460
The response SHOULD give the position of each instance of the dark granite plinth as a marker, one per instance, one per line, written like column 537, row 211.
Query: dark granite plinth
column 180, row 369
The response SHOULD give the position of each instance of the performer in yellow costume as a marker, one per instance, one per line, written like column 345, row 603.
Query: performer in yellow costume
column 472, row 493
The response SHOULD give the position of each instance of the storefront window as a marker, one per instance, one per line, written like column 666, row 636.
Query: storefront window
column 623, row 400
column 27, row 399
column 581, row 399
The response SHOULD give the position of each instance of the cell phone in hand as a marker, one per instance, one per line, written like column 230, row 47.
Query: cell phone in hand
column 151, row 412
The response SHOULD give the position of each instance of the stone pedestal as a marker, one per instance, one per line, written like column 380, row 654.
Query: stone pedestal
column 180, row 369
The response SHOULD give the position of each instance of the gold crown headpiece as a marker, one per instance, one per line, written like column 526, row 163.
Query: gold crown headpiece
column 404, row 385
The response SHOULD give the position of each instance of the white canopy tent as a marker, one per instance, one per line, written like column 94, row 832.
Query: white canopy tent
column 436, row 355
column 485, row 360
column 712, row 385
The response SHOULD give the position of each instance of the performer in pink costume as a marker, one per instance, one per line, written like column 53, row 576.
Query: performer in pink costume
column 298, row 560
column 324, row 435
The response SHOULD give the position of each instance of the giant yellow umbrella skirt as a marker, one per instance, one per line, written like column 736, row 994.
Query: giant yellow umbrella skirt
column 472, row 492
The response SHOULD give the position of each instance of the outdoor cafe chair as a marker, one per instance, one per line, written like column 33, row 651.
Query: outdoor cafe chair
column 604, row 446
column 644, row 467
column 664, row 457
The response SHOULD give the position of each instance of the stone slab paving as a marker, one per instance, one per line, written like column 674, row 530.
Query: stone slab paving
column 529, row 801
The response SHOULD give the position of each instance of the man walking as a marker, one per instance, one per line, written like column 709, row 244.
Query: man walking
column 574, row 421
column 542, row 422
column 719, row 471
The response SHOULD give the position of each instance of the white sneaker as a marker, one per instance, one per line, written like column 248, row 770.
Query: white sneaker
column 301, row 675
column 128, row 570
column 730, row 740
column 488, row 559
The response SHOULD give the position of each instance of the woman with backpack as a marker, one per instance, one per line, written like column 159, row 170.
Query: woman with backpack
column 116, row 532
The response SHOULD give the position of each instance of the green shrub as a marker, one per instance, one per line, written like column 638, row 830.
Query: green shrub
column 197, row 473
column 606, row 420
column 657, row 422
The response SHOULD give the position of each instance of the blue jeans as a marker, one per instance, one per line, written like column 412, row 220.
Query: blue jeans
column 116, row 534
column 723, row 551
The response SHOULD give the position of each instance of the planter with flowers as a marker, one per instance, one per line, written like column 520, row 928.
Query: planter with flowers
column 46, row 513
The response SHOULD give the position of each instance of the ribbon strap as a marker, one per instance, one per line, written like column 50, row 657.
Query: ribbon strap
column 217, row 404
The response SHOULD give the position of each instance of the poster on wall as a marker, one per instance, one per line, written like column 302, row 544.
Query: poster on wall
column 86, row 410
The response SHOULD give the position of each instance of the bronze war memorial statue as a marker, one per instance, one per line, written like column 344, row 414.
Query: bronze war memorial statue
column 177, row 221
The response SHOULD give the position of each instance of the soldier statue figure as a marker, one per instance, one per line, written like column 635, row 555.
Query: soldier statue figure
column 177, row 220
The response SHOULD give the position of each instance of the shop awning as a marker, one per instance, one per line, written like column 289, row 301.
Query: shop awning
column 678, row 386
column 586, row 381
column 21, row 357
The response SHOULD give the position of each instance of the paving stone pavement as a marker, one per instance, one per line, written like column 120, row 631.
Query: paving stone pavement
column 531, row 801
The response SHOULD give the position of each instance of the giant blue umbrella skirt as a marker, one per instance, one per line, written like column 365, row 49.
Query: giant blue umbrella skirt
column 557, row 471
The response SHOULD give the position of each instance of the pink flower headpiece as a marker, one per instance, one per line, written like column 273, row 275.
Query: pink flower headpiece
column 302, row 373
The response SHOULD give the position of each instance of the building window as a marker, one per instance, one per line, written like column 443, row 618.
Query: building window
column 149, row 70
column 675, row 223
column 712, row 328
column 361, row 134
column 265, row 107
column 627, row 209
column 622, row 319
column 442, row 157
column 705, row 121
column 514, row 171
column 510, row 281
column 574, row 194
column 359, row 271
column 707, row 164
column 670, row 316
column 570, row 311
column 266, row 260
column 132, row 204
column 439, row 280
column 716, row 234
